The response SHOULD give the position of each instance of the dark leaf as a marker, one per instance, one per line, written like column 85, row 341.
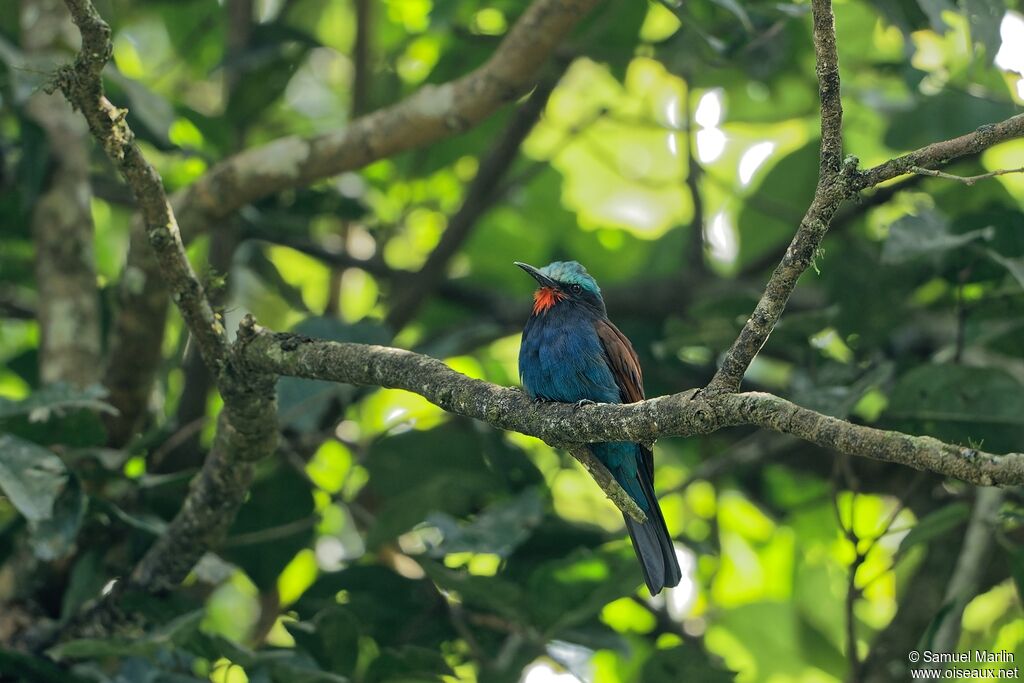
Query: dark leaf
column 926, row 233
column 386, row 621
column 408, row 664
column 86, row 582
column 56, row 399
column 268, row 531
column 491, row 593
column 54, row 537
column 569, row 591
column 31, row 477
column 453, row 480
column 331, row 638
column 976, row 407
column 497, row 529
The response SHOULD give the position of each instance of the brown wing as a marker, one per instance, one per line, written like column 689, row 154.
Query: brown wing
column 623, row 361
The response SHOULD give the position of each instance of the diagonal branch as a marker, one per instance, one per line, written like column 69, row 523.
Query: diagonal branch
column 682, row 414
column 838, row 180
column 827, row 197
column 979, row 540
column 82, row 85
column 247, row 430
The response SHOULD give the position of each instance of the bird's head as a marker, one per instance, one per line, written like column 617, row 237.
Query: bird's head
column 564, row 281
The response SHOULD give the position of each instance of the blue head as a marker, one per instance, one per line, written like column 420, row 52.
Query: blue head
column 566, row 283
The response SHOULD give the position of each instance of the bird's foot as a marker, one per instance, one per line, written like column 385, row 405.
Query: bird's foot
column 584, row 402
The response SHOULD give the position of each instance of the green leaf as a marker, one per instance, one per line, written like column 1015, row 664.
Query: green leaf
column 933, row 525
column 926, row 233
column 978, row 407
column 570, row 590
column 961, row 113
column 1015, row 558
column 736, row 9
column 454, row 481
column 280, row 500
column 171, row 633
column 491, row 593
column 86, row 582
column 21, row 666
column 54, row 537
column 31, row 477
column 499, row 529
column 385, row 621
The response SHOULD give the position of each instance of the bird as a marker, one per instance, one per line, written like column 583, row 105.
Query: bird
column 572, row 353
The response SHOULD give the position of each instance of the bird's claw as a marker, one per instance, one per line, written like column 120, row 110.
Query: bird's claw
column 585, row 402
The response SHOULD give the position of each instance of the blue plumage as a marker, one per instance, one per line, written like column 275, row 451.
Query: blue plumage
column 571, row 352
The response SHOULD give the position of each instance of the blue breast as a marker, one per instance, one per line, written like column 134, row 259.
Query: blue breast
column 562, row 359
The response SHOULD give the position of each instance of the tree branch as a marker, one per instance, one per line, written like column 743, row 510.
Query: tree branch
column 966, row 180
column 82, row 85
column 838, row 180
column 970, row 567
column 682, row 414
column 827, row 197
column 247, row 430
column 940, row 153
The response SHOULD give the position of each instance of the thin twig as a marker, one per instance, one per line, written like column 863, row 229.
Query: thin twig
column 966, row 180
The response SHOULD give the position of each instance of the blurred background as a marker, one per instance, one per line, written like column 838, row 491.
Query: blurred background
column 672, row 148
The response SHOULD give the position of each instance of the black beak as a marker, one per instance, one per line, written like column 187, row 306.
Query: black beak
column 540, row 277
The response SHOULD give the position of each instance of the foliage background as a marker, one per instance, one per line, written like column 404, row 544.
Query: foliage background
column 388, row 541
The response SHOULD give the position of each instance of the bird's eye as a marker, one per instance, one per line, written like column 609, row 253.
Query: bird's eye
column 575, row 289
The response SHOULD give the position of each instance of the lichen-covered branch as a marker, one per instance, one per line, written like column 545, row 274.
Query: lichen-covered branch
column 839, row 179
column 247, row 430
column 82, row 85
column 827, row 197
column 683, row 414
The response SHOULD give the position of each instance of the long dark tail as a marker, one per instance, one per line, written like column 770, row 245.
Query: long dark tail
column 651, row 542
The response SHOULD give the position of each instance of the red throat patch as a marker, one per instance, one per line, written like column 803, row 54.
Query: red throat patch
column 544, row 298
